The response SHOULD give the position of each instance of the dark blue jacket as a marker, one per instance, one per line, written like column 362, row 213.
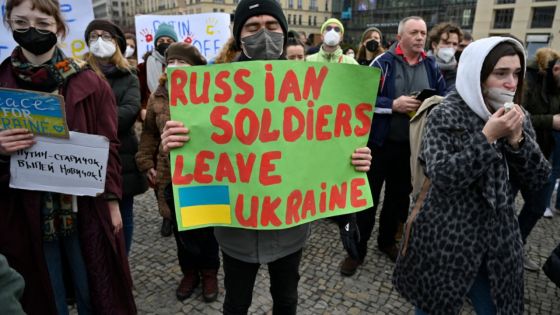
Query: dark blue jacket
column 383, row 106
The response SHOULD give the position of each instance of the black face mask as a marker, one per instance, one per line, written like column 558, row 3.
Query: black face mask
column 161, row 48
column 372, row 45
column 35, row 42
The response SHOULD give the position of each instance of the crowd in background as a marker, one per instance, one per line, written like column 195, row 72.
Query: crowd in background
column 459, row 128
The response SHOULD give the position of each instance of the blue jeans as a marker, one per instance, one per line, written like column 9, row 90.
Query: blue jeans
column 555, row 174
column 479, row 294
column 126, row 205
column 70, row 247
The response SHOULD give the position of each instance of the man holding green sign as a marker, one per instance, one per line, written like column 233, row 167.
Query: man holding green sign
column 270, row 153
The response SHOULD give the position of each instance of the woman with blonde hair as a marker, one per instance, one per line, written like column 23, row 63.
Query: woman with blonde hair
column 107, row 45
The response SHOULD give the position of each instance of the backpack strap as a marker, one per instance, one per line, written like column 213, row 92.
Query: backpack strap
column 417, row 205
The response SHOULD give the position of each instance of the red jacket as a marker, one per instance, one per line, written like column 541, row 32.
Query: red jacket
column 90, row 108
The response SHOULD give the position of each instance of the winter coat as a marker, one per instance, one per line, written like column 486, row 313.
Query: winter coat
column 127, row 94
column 150, row 144
column 468, row 217
column 381, row 123
column 335, row 57
column 541, row 99
column 90, row 108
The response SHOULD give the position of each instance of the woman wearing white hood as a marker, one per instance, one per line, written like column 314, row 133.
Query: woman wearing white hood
column 462, row 238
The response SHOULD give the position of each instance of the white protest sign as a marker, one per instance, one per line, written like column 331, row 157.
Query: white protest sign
column 75, row 166
column 77, row 13
column 207, row 31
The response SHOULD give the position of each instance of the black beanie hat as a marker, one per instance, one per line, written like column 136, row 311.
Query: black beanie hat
column 109, row 27
column 249, row 8
column 186, row 52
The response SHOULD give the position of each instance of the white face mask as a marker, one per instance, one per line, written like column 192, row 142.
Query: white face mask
column 102, row 49
column 446, row 53
column 496, row 97
column 331, row 38
column 128, row 52
column 351, row 55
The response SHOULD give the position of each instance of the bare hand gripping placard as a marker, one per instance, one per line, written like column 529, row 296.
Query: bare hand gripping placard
column 270, row 142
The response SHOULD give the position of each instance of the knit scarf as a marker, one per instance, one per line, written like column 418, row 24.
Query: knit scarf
column 58, row 219
column 46, row 77
column 154, row 68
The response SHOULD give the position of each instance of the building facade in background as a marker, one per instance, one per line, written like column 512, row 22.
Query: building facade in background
column 535, row 22
column 302, row 15
column 357, row 15
column 120, row 12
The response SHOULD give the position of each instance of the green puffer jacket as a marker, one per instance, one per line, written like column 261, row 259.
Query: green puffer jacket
column 541, row 98
column 335, row 57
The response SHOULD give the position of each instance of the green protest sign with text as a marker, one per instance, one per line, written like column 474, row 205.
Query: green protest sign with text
column 271, row 142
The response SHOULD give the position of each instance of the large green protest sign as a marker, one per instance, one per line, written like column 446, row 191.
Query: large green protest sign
column 271, row 142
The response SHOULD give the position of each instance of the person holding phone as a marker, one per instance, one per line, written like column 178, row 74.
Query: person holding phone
column 405, row 68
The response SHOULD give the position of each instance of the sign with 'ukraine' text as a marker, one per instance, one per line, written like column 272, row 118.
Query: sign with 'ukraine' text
column 40, row 113
column 270, row 142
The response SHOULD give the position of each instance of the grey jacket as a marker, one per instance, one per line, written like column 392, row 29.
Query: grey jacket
column 261, row 246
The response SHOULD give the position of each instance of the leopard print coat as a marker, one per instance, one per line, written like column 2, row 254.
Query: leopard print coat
column 468, row 216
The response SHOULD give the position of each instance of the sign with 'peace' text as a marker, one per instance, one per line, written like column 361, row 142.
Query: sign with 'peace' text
column 40, row 113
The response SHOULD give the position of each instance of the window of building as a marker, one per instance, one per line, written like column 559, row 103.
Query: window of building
column 291, row 4
column 299, row 4
column 309, row 20
column 466, row 19
column 543, row 17
column 299, row 19
column 503, row 18
column 313, row 5
column 504, row 1
column 289, row 19
column 315, row 20
column 214, row 10
column 219, row 1
column 327, row 5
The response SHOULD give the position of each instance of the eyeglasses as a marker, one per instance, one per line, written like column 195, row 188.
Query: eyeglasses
column 335, row 28
column 105, row 36
column 22, row 26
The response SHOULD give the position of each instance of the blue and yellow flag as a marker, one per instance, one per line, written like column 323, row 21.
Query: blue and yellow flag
column 204, row 205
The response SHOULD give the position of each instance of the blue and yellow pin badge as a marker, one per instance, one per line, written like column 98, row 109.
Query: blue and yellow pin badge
column 204, row 205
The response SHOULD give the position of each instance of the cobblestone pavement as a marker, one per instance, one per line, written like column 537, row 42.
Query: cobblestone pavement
column 322, row 290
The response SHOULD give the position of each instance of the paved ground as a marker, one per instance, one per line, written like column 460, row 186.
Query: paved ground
column 322, row 289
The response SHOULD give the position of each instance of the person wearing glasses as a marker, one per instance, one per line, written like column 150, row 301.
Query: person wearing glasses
column 34, row 225
column 332, row 33
column 107, row 44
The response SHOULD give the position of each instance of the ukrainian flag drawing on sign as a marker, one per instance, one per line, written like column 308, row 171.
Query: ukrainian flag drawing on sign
column 204, row 205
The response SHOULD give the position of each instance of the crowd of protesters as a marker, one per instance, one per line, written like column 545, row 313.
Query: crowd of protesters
column 448, row 220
